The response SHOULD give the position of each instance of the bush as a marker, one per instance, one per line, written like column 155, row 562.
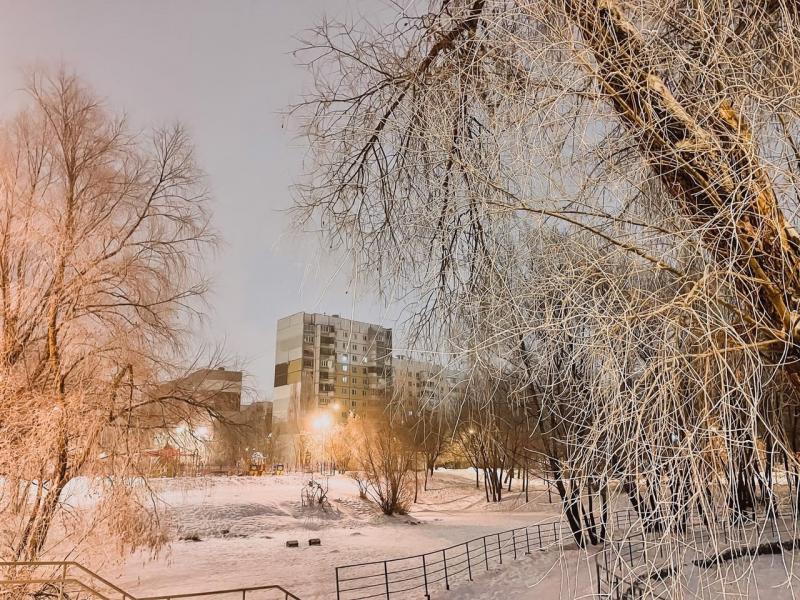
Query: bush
column 384, row 462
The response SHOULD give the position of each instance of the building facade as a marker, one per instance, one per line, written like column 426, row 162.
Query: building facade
column 421, row 383
column 195, row 420
column 326, row 366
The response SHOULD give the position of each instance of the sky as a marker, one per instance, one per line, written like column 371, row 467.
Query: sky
column 225, row 70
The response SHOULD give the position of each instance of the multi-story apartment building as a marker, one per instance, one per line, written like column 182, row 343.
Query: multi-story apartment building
column 327, row 365
column 423, row 384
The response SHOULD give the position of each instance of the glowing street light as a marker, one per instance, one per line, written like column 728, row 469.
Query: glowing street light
column 322, row 422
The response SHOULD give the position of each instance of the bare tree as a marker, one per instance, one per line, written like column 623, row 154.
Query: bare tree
column 422, row 403
column 384, row 461
column 343, row 444
column 598, row 202
column 101, row 235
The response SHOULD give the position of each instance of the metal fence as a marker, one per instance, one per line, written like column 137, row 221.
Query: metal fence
column 616, row 565
column 72, row 581
column 631, row 587
column 420, row 575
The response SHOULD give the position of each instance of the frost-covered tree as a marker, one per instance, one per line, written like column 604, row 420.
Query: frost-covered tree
column 598, row 200
column 102, row 229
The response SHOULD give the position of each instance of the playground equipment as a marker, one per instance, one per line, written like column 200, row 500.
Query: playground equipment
column 315, row 493
column 256, row 465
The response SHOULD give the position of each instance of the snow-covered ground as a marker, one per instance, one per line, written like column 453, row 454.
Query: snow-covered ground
column 243, row 523
column 231, row 532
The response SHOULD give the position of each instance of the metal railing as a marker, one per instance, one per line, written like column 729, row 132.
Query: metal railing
column 66, row 580
column 631, row 587
column 616, row 566
column 420, row 575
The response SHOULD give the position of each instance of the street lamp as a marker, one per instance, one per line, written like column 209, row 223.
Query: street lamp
column 322, row 423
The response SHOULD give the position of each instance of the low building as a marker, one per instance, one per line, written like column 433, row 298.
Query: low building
column 243, row 433
column 197, row 421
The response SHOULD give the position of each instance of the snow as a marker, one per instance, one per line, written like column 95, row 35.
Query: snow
column 243, row 523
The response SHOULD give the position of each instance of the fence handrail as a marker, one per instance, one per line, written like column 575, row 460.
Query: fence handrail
column 213, row 592
column 68, row 563
column 436, row 566
column 431, row 553
column 695, row 523
column 479, row 538
column 78, row 582
column 62, row 578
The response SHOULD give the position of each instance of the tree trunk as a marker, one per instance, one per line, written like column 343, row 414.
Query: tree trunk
column 570, row 510
column 709, row 165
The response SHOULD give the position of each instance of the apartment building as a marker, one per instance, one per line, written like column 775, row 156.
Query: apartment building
column 421, row 383
column 329, row 366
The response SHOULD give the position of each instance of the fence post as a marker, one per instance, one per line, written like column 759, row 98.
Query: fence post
column 469, row 563
column 597, row 570
column 485, row 553
column 539, row 533
column 244, row 594
column 514, row 542
column 555, row 533
column 499, row 549
column 446, row 580
column 386, row 578
column 338, row 592
column 63, row 581
column 527, row 541
column 424, row 578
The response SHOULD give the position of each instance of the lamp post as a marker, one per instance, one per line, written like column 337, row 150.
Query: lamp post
column 322, row 423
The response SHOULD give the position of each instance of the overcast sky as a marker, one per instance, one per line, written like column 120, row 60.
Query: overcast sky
column 223, row 68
